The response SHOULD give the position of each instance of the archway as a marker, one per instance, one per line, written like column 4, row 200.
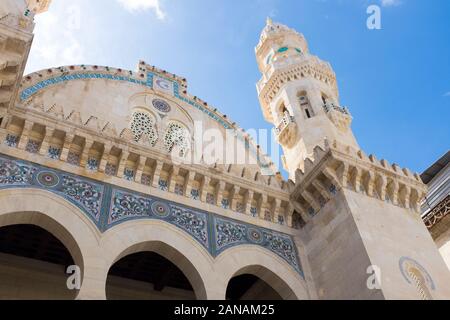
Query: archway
column 33, row 264
column 250, row 287
column 169, row 243
column 251, row 272
column 66, row 223
column 257, row 283
column 147, row 275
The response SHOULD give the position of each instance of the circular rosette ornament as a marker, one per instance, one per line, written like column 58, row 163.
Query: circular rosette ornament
column 255, row 236
column 48, row 179
column 160, row 209
column 161, row 105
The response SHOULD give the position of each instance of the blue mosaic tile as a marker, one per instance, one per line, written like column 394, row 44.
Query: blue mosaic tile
column 92, row 164
column 11, row 140
column 32, row 146
column 128, row 174
column 195, row 194
column 108, row 206
column 210, row 199
column 110, row 169
column 126, row 206
column 225, row 203
column 229, row 233
column 84, row 194
column 163, row 185
column 54, row 153
column 73, row 158
column 146, row 180
column 179, row 189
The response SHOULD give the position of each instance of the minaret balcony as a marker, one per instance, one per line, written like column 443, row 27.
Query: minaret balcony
column 340, row 116
column 286, row 130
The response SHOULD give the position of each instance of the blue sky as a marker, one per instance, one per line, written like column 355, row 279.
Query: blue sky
column 396, row 81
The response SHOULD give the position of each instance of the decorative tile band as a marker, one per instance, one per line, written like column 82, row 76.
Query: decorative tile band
column 108, row 206
column 86, row 195
column 28, row 92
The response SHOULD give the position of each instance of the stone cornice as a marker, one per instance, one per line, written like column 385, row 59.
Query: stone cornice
column 338, row 166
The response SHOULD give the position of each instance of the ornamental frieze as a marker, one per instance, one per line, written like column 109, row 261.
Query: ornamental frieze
column 107, row 206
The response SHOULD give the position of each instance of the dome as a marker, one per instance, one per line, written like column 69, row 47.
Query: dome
column 150, row 108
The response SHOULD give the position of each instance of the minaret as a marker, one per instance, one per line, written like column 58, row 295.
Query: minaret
column 16, row 36
column 299, row 96
column 359, row 217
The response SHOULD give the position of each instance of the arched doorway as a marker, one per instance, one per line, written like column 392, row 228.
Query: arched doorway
column 33, row 264
column 147, row 275
column 250, row 287
column 250, row 272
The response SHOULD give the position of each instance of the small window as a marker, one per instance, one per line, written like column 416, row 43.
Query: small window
column 305, row 105
column 308, row 114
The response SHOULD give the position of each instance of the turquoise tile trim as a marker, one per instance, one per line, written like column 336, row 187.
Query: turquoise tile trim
column 28, row 92
column 108, row 206
column 148, row 83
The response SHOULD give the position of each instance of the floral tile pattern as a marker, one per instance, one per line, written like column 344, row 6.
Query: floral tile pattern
column 126, row 206
column 11, row 140
column 108, row 205
column 231, row 233
column 73, row 158
column 54, row 153
column 92, row 164
column 32, row 146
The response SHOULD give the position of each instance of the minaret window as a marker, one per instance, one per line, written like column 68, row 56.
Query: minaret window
column 144, row 123
column 305, row 105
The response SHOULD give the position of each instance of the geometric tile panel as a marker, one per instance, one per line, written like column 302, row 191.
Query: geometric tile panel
column 107, row 206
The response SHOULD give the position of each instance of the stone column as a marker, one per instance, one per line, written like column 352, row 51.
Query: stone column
column 220, row 188
column 233, row 197
column 85, row 153
column 105, row 157
column 188, row 183
column 248, row 205
column 173, row 178
column 46, row 142
column 23, row 140
column 122, row 163
column 140, row 169
column 66, row 147
column 204, row 189
column 157, row 173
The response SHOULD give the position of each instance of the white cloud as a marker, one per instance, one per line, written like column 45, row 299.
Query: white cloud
column 143, row 5
column 447, row 94
column 55, row 40
column 390, row 3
